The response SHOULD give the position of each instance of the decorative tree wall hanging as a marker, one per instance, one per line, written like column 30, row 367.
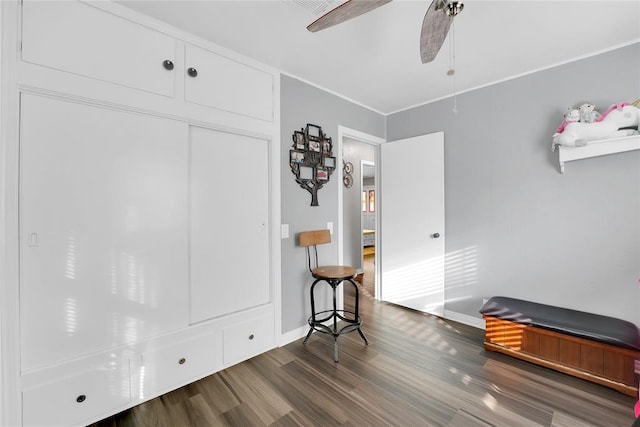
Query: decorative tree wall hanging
column 311, row 159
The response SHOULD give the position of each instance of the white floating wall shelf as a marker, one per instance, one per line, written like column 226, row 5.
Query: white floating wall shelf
column 598, row 148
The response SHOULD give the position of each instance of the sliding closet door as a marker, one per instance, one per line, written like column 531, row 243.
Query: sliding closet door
column 412, row 223
column 103, row 228
column 229, row 211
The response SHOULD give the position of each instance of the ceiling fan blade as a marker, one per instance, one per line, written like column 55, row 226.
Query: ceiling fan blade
column 348, row 10
column 435, row 27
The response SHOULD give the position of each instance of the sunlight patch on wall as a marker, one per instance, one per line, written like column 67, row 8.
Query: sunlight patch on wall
column 71, row 316
column 70, row 266
column 414, row 280
column 461, row 271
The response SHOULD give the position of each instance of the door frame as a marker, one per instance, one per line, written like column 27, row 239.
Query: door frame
column 345, row 132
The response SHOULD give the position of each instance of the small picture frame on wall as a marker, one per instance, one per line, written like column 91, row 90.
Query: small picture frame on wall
column 297, row 156
column 314, row 145
column 314, row 132
column 329, row 162
column 327, row 146
column 298, row 139
column 306, row 172
column 322, row 174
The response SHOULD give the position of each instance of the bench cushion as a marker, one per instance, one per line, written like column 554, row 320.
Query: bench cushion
column 594, row 327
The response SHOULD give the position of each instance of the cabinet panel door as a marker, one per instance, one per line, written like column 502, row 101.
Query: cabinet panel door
column 228, row 85
column 229, row 223
column 103, row 226
column 79, row 38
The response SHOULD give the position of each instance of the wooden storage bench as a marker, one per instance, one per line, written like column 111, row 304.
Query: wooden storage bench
column 596, row 348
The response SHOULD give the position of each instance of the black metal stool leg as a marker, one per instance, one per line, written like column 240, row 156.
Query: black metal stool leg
column 357, row 310
column 334, row 284
column 313, row 310
column 308, row 335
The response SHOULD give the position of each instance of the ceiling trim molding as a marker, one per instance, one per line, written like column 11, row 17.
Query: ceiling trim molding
column 517, row 76
column 317, row 86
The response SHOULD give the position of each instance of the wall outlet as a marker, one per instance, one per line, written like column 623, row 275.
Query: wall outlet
column 330, row 227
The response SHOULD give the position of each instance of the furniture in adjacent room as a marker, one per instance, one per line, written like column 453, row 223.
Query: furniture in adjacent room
column 326, row 321
column 593, row 347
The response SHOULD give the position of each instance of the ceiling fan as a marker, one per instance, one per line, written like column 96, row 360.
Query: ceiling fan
column 435, row 25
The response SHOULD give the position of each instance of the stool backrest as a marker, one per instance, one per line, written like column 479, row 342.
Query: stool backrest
column 310, row 239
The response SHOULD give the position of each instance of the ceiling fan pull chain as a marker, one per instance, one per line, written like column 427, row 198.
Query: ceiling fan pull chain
column 453, row 65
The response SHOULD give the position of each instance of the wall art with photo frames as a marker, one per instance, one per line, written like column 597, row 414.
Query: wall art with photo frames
column 311, row 159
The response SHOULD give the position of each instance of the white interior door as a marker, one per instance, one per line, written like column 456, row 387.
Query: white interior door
column 412, row 223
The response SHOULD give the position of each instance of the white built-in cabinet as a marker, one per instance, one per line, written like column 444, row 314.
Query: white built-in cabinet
column 145, row 235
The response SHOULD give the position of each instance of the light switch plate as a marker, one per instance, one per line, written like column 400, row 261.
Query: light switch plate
column 330, row 227
column 284, row 231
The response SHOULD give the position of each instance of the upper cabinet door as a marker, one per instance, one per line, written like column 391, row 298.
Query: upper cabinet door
column 78, row 38
column 216, row 81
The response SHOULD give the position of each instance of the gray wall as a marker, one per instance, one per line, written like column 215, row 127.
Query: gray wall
column 354, row 151
column 514, row 225
column 302, row 104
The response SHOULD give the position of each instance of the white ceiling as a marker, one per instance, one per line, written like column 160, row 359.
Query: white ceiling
column 374, row 59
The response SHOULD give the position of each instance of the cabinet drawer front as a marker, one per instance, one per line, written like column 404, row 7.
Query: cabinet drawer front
column 247, row 339
column 81, row 39
column 172, row 366
column 228, row 85
column 77, row 399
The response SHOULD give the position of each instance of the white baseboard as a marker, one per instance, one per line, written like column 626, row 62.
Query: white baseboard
column 292, row 336
column 464, row 318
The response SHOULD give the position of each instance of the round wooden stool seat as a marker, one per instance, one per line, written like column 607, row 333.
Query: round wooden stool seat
column 334, row 272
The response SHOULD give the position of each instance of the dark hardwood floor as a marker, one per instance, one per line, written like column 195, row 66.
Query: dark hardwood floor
column 418, row 370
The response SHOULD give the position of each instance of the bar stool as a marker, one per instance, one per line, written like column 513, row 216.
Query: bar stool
column 332, row 275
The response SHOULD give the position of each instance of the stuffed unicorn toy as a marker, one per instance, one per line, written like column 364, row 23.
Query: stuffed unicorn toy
column 618, row 120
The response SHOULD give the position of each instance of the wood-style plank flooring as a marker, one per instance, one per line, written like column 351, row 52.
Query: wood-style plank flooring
column 418, row 370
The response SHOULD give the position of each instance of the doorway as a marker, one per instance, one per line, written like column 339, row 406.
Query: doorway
column 368, row 225
column 352, row 147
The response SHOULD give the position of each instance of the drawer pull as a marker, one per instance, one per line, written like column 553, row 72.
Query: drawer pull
column 251, row 336
column 182, row 361
column 192, row 72
column 81, row 398
column 167, row 64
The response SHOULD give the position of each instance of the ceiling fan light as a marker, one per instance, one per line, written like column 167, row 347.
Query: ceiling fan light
column 454, row 8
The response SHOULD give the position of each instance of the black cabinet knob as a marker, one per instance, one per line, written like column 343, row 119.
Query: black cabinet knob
column 81, row 398
column 192, row 72
column 182, row 361
column 435, row 235
column 251, row 336
column 167, row 64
